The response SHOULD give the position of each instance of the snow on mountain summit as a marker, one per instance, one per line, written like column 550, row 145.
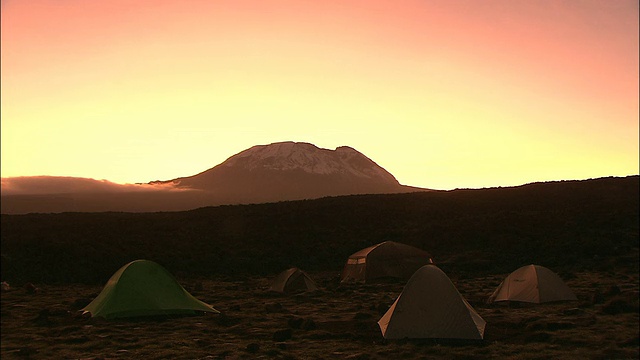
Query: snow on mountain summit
column 291, row 171
column 309, row 158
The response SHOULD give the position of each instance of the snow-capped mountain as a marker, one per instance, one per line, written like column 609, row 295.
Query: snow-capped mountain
column 263, row 173
column 292, row 170
column 310, row 159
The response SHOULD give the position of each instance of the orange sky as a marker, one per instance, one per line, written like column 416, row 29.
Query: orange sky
column 442, row 94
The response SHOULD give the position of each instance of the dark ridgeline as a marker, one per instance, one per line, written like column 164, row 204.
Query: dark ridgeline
column 568, row 225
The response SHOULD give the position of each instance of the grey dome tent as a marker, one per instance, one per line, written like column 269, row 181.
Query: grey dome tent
column 430, row 307
column 533, row 284
column 143, row 288
column 387, row 259
column 291, row 281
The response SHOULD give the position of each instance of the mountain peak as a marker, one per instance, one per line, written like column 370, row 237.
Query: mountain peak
column 264, row 173
column 291, row 171
column 309, row 158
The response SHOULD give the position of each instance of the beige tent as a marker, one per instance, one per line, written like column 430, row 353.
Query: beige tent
column 387, row 259
column 534, row 284
column 430, row 307
column 291, row 281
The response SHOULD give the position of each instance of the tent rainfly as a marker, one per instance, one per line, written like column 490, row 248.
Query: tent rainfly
column 533, row 284
column 387, row 259
column 430, row 307
column 292, row 281
column 144, row 288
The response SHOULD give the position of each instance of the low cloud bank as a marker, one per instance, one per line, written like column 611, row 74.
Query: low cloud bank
column 39, row 185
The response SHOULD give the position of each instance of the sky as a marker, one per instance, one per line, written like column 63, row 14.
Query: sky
column 443, row 94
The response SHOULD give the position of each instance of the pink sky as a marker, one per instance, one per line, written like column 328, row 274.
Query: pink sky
column 442, row 94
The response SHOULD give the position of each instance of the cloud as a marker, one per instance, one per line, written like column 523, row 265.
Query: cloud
column 37, row 185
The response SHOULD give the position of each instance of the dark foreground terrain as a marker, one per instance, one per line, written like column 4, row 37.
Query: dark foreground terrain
column 338, row 322
column 586, row 231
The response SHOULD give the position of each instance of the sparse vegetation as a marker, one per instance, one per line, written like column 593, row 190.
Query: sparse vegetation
column 585, row 231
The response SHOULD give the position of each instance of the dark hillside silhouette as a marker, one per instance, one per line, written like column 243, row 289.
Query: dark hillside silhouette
column 568, row 225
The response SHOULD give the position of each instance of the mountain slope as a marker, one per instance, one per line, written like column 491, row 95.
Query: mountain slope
column 293, row 171
column 263, row 173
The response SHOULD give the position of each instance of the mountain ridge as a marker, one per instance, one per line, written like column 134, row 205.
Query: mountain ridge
column 263, row 173
column 292, row 156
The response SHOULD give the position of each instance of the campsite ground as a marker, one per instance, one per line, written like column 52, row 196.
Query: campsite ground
column 586, row 231
column 339, row 321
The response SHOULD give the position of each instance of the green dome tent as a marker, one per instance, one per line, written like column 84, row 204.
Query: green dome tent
column 143, row 288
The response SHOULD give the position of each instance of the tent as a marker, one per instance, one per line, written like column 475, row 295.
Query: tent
column 387, row 259
column 293, row 280
column 430, row 307
column 142, row 288
column 534, row 284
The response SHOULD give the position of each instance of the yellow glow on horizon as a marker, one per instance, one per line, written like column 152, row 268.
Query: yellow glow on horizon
column 440, row 94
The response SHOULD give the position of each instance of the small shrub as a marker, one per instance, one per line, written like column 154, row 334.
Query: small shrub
column 620, row 305
column 295, row 322
column 309, row 324
column 253, row 348
column 539, row 337
column 282, row 335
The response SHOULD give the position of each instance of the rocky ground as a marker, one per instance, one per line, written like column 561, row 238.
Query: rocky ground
column 337, row 322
